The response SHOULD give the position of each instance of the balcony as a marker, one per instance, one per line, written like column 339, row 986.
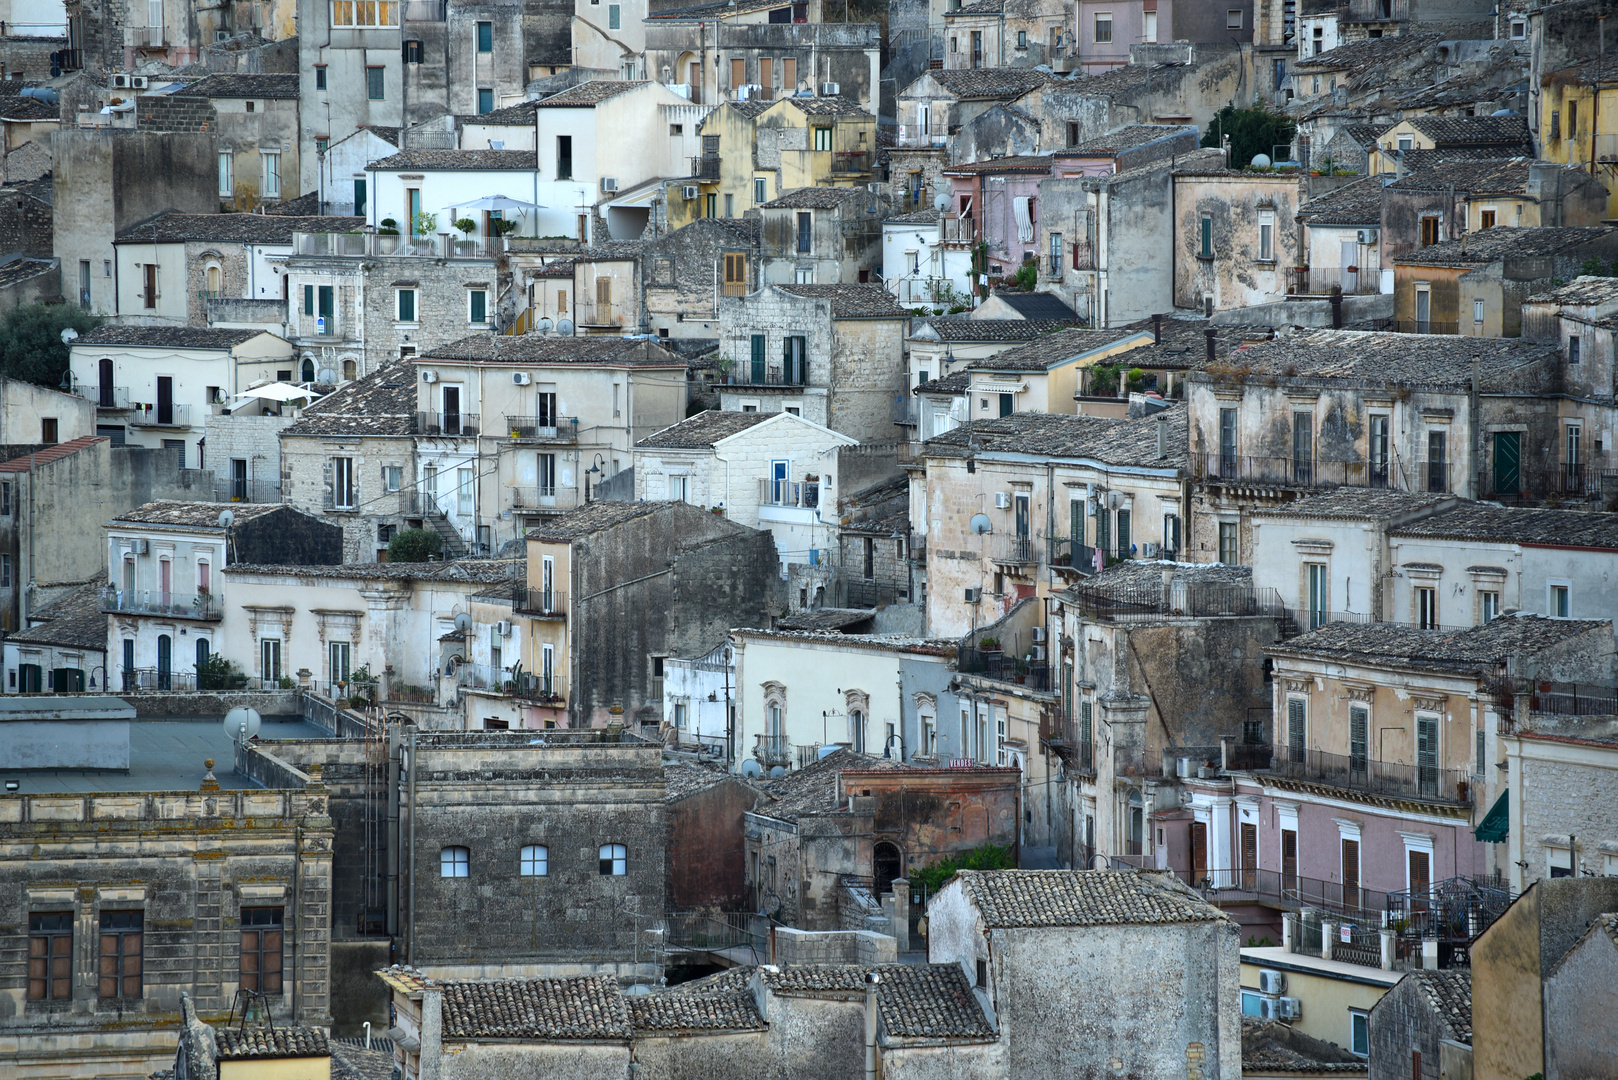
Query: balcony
column 542, row 497
column 564, row 429
column 108, row 398
column 143, row 37
column 705, row 167
column 456, row 425
column 1342, row 772
column 1298, row 472
column 765, row 376
column 1173, row 600
column 596, row 314
column 360, row 245
column 246, row 491
column 906, row 411
column 1014, row 551
column 804, row 494
column 1322, row 280
column 996, row 665
column 772, row 750
column 175, row 416
column 67, row 60
column 1069, row 556
column 860, row 593
column 850, row 162
column 201, row 606
column 545, row 689
column 539, row 603
column 958, row 230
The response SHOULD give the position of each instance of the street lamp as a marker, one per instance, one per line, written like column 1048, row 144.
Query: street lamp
column 592, row 473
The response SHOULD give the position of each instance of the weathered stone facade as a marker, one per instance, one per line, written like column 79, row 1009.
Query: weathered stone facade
column 684, row 273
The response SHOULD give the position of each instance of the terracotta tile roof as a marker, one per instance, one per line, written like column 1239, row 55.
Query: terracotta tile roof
column 21, row 269
column 234, row 228
column 458, row 160
column 927, row 1001
column 518, row 115
column 1444, row 169
column 454, row 571
column 817, row 198
column 914, row 217
column 1379, row 360
column 1507, row 131
column 1019, row 163
column 704, row 429
column 588, row 520
column 1000, row 84
column 1124, row 138
column 1049, row 350
column 1471, row 649
column 587, row 95
column 1505, row 242
column 1449, row 994
column 542, row 349
column 840, row 619
column 1359, row 203
column 167, row 337
column 965, row 328
column 682, row 779
column 50, row 453
column 957, row 383
column 1359, row 504
column 852, row 301
column 74, row 620
column 728, row 981
column 192, row 515
column 1579, row 292
column 827, row 106
column 1035, row 898
column 251, row 85
column 1358, row 56
column 381, row 403
column 1099, row 438
column 1482, row 522
column 670, row 1013
column 581, row 1007
column 266, row 1042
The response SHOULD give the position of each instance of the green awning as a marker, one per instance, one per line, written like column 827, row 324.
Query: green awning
column 1496, row 824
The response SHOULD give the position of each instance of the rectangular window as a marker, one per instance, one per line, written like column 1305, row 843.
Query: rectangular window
column 149, row 284
column 485, row 37
column 270, row 660
column 1319, row 610
column 534, row 861
column 359, row 195
column 1205, row 247
column 1295, row 728
column 374, row 84
column 1233, row 18
column 822, row 138
column 564, row 157
column 406, row 307
column 47, row 428
column 454, row 862
column 361, row 13
column 1227, row 543
column 477, row 306
column 789, row 74
column 613, row 860
column 1104, row 28
column 1488, row 605
column 392, row 477
column 613, row 16
column 1359, row 1034
column 261, row 949
column 761, row 191
column 805, row 225
column 1266, row 235
column 485, row 100
column 1437, row 466
column 1477, row 313
column 342, row 483
column 340, row 657
column 227, row 179
column 1429, row 231
column 1359, row 739
column 1351, row 867
column 1572, row 347
column 1427, row 608
column 320, row 76
column 120, row 968
column 50, row 955
column 1560, row 604
column 730, row 205
column 272, row 174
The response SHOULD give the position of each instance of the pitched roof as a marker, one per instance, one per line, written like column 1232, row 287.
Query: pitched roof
column 589, row 519
column 923, row 1001
column 74, row 620
column 668, row 1013
column 1581, row 291
column 580, row 1007
column 1449, row 994
column 459, row 160
column 1000, row 84
column 852, row 301
column 1367, row 53
column 1051, row 349
column 234, row 228
column 381, row 403
column 1060, row 435
column 826, row 619
column 1378, row 359
column 587, row 95
column 1358, row 504
column 965, row 328
column 1471, row 649
column 1035, row 305
column 812, row 790
column 267, row 1042
column 253, row 85
column 826, row 106
column 1505, row 242
column 1465, row 173
column 1482, row 522
column 817, row 198
column 1124, row 138
column 518, row 115
column 704, row 429
column 1359, row 203
column 1509, row 131
column 13, row 106
column 548, row 349
column 450, row 571
column 1015, row 163
column 166, row 337
column 192, row 515
column 26, row 462
column 1035, row 898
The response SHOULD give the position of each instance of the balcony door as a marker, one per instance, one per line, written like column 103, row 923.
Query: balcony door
column 1289, row 860
column 104, row 381
column 165, row 399
column 1507, row 462
column 1199, row 852
column 778, row 482
column 1249, row 841
column 1022, row 512
column 165, row 662
column 452, row 409
column 1427, row 754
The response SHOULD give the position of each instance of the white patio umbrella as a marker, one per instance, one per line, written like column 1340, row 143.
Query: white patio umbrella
column 278, row 391
column 496, row 202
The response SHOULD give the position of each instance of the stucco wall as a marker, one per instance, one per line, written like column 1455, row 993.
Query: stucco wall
column 1580, row 997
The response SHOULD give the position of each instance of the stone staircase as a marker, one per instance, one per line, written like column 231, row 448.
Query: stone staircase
column 454, row 547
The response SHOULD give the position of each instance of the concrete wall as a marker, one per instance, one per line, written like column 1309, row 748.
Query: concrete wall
column 1236, row 275
column 1402, row 1025
column 64, row 743
column 832, row 947
column 1581, row 990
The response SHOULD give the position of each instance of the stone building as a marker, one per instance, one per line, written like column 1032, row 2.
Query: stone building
column 1423, row 1027
column 821, row 235
column 707, row 853
column 125, row 900
column 64, row 642
column 832, row 353
column 1234, row 237
column 1032, row 941
column 1580, row 990
column 687, row 270
column 26, row 221
column 257, row 123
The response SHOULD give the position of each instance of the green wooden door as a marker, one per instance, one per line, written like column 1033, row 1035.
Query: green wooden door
column 757, row 366
column 1507, row 455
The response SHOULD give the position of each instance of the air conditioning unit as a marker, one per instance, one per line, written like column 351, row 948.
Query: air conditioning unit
column 974, row 594
column 1150, row 550
column 137, row 82
column 521, row 378
column 429, row 376
column 1039, row 634
column 1038, row 654
column 1369, row 236
column 690, row 192
column 503, row 627
column 1002, row 500
column 829, row 89
column 1290, row 1008
column 1272, row 982
column 221, row 35
column 138, row 546
column 609, row 183
column 120, row 81
column 1269, row 1008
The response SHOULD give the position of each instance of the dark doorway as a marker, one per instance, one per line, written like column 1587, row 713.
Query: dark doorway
column 1507, row 462
column 887, row 864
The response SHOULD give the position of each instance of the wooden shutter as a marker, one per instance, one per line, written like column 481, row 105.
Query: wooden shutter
column 1351, row 866
column 1199, row 851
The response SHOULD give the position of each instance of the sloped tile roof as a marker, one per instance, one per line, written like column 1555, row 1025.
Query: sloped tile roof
column 704, row 429
column 996, row 83
column 235, row 228
column 382, row 403
column 852, row 301
column 1050, row 349
column 1509, row 131
column 193, row 515
column 74, row 620
column 166, row 337
column 1380, row 359
column 1034, row 898
column 1449, row 995
column 1358, row 504
column 1101, row 438
column 518, row 115
column 1123, row 138
column 582, row 1007
column 458, row 160
column 1505, row 242
column 50, row 453
column 1359, row 203
column 1465, row 172
column 1016, row 163
column 1481, row 522
column 1035, row 305
column 669, row 1013
column 548, row 349
column 254, row 85
column 589, row 519
column 812, row 790
column 827, row 106
column 1580, row 291
column 826, row 619
column 587, row 95
column 266, row 1042
column 817, row 198
column 929, row 1001
column 1469, row 649
column 1357, row 56
column 965, row 328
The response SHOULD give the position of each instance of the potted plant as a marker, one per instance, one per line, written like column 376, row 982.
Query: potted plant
column 726, row 367
column 388, row 227
column 989, row 644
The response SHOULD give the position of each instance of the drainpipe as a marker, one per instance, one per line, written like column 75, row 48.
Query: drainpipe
column 393, row 831
column 410, row 939
column 872, row 979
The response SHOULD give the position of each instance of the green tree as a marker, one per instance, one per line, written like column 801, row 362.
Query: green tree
column 1254, row 131
column 413, row 545
column 984, row 857
column 31, row 346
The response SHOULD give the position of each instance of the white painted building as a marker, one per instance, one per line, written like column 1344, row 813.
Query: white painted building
column 918, row 267
column 697, row 697
column 344, row 187
column 423, row 193
column 774, row 471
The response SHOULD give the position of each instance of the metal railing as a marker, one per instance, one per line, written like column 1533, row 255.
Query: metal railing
column 1070, row 555
column 461, row 424
column 958, row 230
column 542, row 497
column 154, row 602
column 156, row 679
column 850, row 162
column 1571, row 699
column 114, row 398
column 705, row 167
column 424, row 10
column 371, row 245
column 546, row 689
column 1014, row 550
column 246, row 491
column 68, row 59
column 800, row 493
column 1321, row 280
column 551, row 428
column 1174, row 599
column 160, row 416
column 861, row 593
column 1298, row 471
column 709, row 747
column 1428, row 783
column 143, row 37
column 1425, row 326
column 993, row 664
column 906, row 411
column 725, row 932
column 772, row 750
column 588, row 313
column 543, row 603
column 744, row 375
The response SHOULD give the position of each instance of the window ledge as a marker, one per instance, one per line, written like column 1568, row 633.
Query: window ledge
column 1266, row 262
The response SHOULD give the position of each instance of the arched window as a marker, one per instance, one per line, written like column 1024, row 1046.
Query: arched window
column 535, row 861
column 215, row 279
column 348, row 371
column 308, row 373
column 202, row 654
column 856, row 731
column 455, row 862
column 887, row 864
column 614, row 860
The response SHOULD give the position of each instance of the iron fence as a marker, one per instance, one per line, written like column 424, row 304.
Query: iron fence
column 547, row 428
column 1147, row 601
column 1299, row 471
column 160, row 416
column 1428, row 783
column 772, row 750
column 1322, row 280
column 996, row 665
column 705, row 167
column 540, row 602
column 1015, row 550
column 800, row 493
column 156, row 602
column 456, row 424
column 1425, row 326
column 860, row 593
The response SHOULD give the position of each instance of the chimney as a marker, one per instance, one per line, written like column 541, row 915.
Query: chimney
column 1162, row 436
column 1157, row 329
column 1211, row 334
column 1336, row 307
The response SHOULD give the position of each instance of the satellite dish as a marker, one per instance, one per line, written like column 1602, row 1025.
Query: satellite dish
column 940, row 201
column 242, row 723
column 463, row 622
column 564, row 327
column 752, row 768
column 981, row 524
column 777, row 771
column 544, row 326
column 1261, row 161
column 69, row 335
column 226, row 519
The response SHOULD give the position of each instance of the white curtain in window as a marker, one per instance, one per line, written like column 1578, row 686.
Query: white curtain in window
column 1025, row 223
